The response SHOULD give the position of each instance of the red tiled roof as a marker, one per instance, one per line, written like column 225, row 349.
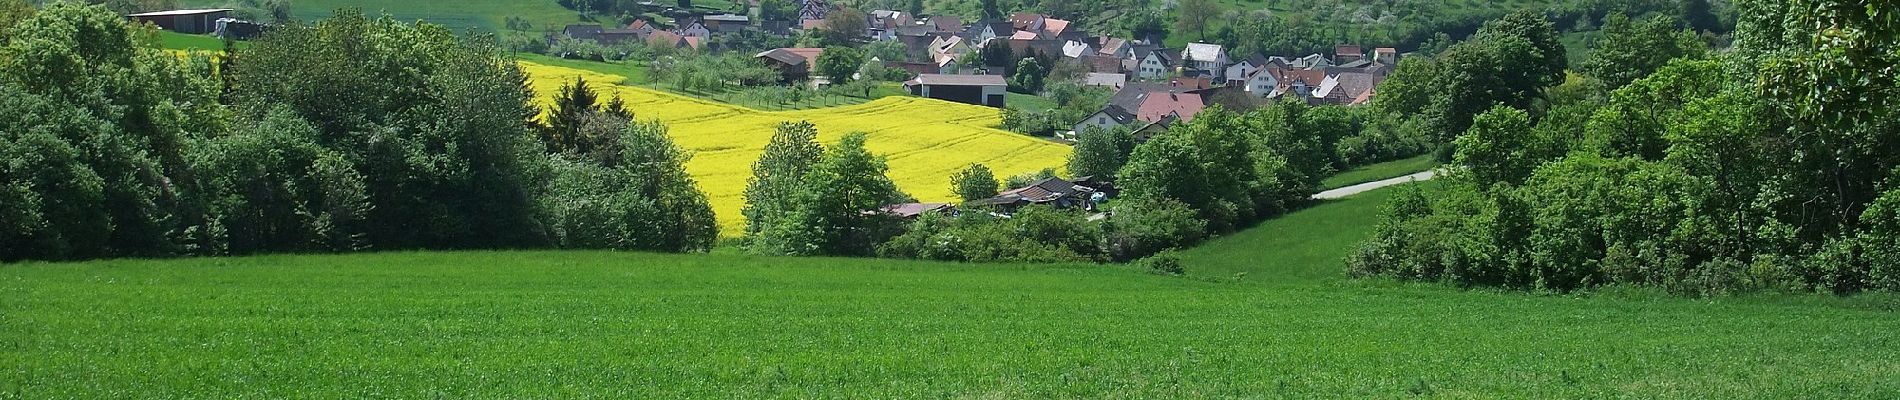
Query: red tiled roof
column 1159, row 105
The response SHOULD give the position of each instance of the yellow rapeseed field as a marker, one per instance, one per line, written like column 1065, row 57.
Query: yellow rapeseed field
column 925, row 140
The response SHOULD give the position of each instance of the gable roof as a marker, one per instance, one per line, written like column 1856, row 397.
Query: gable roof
column 1025, row 21
column 1076, row 49
column 1117, row 113
column 582, row 31
column 1202, row 52
column 1110, row 46
column 1310, row 77
column 1055, row 27
column 640, row 25
column 1157, row 105
column 1023, row 35
column 946, row 23
column 1130, row 96
column 1346, row 87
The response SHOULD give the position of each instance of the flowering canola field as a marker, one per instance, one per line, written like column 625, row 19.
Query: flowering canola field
column 925, row 140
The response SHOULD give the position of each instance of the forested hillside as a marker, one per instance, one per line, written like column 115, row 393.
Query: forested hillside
column 1769, row 165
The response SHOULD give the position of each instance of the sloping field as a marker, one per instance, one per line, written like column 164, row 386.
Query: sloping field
column 925, row 139
column 625, row 325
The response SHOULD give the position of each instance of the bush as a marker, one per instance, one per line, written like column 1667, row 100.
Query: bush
column 1163, row 264
column 1139, row 228
column 1035, row 234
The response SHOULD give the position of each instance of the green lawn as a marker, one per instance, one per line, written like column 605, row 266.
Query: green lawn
column 586, row 324
column 1028, row 102
column 1380, row 171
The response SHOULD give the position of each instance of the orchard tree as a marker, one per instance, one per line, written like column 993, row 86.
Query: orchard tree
column 1196, row 15
column 974, row 183
column 839, row 63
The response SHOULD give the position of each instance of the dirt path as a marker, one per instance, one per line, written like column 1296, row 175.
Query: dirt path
column 1344, row 192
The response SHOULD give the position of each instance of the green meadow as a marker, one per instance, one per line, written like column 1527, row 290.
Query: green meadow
column 1264, row 313
column 485, row 15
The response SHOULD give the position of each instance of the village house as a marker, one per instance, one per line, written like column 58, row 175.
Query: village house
column 1347, row 53
column 641, row 27
column 1262, row 82
column 1299, row 83
column 1103, row 65
column 1155, row 64
column 1110, row 117
column 1238, row 73
column 1112, row 47
column 1159, row 105
column 695, row 29
column 1077, row 49
column 1350, row 89
column 982, row 90
column 883, row 24
column 945, row 25
column 1315, row 61
column 1385, row 56
column 1208, row 58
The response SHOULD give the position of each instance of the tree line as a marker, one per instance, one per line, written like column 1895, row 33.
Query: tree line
column 352, row 133
column 1770, row 165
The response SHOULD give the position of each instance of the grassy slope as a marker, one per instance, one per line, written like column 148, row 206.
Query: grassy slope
column 1380, row 171
column 566, row 324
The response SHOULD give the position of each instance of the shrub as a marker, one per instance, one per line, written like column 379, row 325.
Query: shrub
column 1163, row 264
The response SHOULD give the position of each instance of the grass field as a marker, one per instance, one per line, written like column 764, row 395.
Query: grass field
column 602, row 324
column 461, row 15
column 1380, row 171
column 926, row 140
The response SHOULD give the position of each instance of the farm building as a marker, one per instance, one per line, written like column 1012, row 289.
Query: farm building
column 793, row 64
column 1054, row 192
column 983, row 90
column 197, row 22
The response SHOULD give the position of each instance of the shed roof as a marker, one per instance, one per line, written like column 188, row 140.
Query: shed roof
column 958, row 80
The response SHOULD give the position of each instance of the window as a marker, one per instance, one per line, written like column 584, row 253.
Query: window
column 1101, row 120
